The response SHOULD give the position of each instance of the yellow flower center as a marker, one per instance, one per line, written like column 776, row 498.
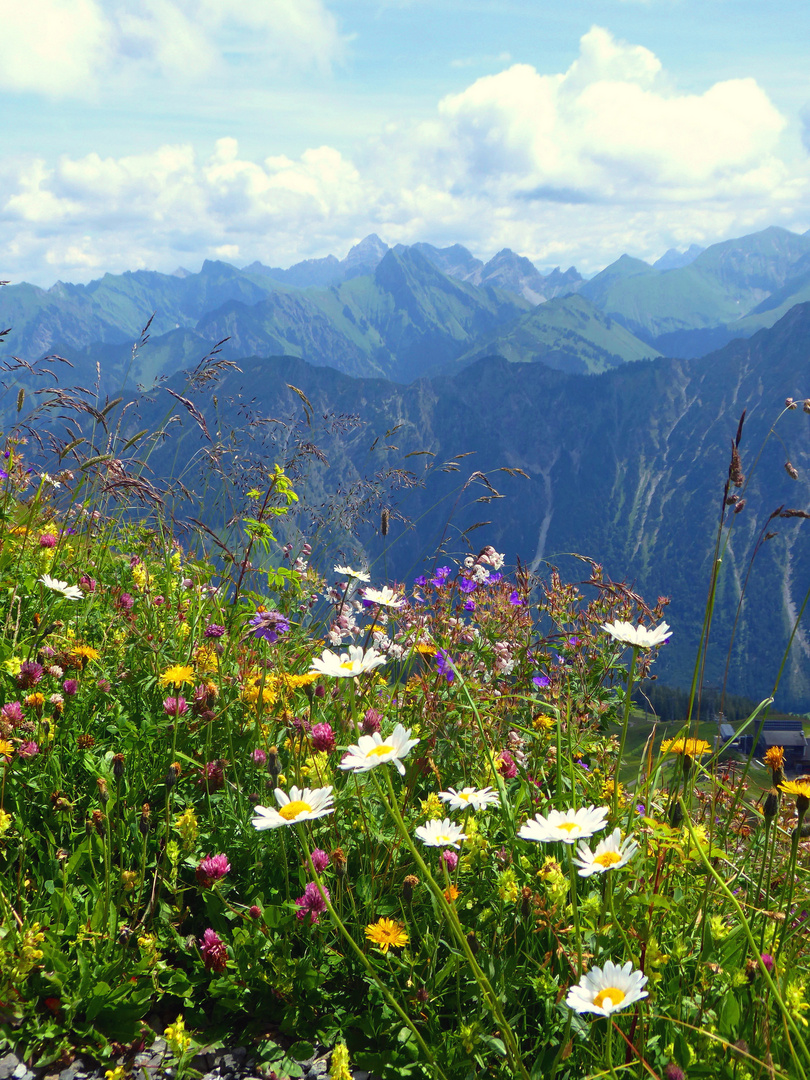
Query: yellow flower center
column 568, row 826
column 611, row 994
column 294, row 809
column 463, row 796
column 348, row 665
column 378, row 751
column 608, row 858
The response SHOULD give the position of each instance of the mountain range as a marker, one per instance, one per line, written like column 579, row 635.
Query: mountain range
column 423, row 368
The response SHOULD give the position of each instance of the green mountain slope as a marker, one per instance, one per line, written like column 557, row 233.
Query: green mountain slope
column 627, row 467
column 568, row 333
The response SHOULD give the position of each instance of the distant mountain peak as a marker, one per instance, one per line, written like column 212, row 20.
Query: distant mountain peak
column 370, row 247
column 674, row 260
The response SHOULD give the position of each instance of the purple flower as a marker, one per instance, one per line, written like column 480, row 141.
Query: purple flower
column 444, row 665
column 212, row 775
column 47, row 540
column 323, row 738
column 125, row 602
column 212, row 868
column 573, row 642
column 29, row 674
column 259, row 756
column 515, row 599
column 493, row 579
column 312, row 903
column 12, row 713
column 469, row 605
column 28, row 749
column 421, row 581
column 767, row 960
column 175, row 706
column 104, row 685
column 541, row 681
column 213, row 630
column 269, row 625
column 371, row 721
column 70, row 687
column 87, row 583
column 255, row 912
column 320, row 860
column 440, row 577
column 214, row 952
column 450, row 859
column 466, row 585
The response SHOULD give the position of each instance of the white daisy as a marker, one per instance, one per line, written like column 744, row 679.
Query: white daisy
column 469, row 798
column 349, row 664
column 639, row 635
column 569, row 827
column 300, row 805
column 440, row 833
column 358, row 575
column 610, row 854
column 70, row 592
column 606, row 990
column 374, row 750
column 385, row 597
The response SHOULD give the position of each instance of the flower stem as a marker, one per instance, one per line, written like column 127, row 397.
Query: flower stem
column 628, row 697
column 575, row 906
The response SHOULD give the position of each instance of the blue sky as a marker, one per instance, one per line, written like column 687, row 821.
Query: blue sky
column 160, row 134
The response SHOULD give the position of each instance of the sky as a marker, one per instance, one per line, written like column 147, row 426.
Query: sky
column 159, row 134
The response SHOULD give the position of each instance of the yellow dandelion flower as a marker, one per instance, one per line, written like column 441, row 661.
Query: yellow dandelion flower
column 5, row 822
column 451, row 893
column 35, row 700
column 799, row 786
column 687, row 747
column 292, row 682
column 6, row 748
column 543, row 722
column 424, row 649
column 775, row 757
column 176, row 675
column 85, row 653
column 387, row 934
column 264, row 686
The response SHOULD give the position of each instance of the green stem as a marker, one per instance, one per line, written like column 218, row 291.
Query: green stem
column 609, row 1047
column 791, row 1023
column 361, row 956
column 627, row 703
column 616, row 923
column 794, row 850
column 451, row 916
column 575, row 907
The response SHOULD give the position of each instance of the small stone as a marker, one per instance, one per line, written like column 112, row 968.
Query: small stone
column 8, row 1063
column 20, row 1071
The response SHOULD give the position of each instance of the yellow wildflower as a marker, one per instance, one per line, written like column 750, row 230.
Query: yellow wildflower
column 687, row 747
column 339, row 1068
column 432, row 807
column 186, row 824
column 13, row 665
column 6, row 748
column 176, row 675
column 177, row 1037
column 128, row 880
column 543, row 722
column 775, row 757
column 265, row 686
column 85, row 653
column 118, row 1073
column 800, row 786
column 508, row 886
column 795, row 1001
column 35, row 700
column 387, row 934
column 205, row 658
column 292, row 682
column 140, row 575
column 5, row 822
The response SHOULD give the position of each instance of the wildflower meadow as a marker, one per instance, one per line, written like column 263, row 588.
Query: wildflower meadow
column 286, row 802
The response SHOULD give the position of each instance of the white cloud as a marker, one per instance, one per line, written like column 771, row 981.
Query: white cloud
column 576, row 166
column 82, row 48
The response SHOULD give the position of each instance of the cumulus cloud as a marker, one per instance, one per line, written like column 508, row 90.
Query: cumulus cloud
column 576, row 166
column 79, row 48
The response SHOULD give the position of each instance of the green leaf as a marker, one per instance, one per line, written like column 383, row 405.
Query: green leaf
column 729, row 1015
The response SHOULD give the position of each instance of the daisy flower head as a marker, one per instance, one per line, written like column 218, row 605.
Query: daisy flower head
column 610, row 854
column 358, row 575
column 372, row 750
column 349, row 664
column 305, row 804
column 383, row 597
column 440, row 834
column 387, row 934
column 469, row 798
column 70, row 592
column 638, row 636
column 568, row 826
column 606, row 990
